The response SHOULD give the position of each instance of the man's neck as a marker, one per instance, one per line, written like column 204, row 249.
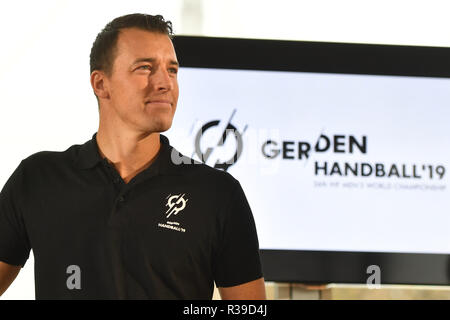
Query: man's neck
column 129, row 152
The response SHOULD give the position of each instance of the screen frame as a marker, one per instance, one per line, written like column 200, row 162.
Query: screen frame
column 320, row 267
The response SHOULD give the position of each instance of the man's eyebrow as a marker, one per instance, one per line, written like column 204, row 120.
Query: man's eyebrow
column 172, row 62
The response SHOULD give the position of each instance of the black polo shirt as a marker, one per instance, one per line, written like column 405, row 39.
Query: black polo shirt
column 169, row 233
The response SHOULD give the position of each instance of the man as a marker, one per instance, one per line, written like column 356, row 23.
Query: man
column 117, row 217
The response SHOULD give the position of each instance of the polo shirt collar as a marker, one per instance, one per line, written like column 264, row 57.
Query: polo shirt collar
column 89, row 156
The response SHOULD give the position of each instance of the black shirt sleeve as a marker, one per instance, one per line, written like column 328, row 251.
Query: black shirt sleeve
column 14, row 244
column 238, row 259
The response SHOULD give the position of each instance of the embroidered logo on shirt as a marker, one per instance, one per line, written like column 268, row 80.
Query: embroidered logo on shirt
column 176, row 203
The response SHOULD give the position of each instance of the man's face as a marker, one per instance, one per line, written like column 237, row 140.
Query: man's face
column 143, row 83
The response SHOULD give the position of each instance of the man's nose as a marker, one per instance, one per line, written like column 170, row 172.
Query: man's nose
column 160, row 81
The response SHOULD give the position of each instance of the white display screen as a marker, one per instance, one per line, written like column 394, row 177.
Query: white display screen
column 333, row 162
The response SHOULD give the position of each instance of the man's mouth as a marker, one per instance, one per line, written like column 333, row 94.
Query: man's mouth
column 159, row 102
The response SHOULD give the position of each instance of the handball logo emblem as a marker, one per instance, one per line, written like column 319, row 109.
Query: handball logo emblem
column 176, row 203
column 230, row 129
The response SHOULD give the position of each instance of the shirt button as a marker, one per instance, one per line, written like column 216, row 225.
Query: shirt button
column 121, row 199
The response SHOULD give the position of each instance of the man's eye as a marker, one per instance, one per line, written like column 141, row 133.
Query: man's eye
column 173, row 70
column 145, row 67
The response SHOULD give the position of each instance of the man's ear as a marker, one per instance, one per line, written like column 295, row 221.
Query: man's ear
column 99, row 83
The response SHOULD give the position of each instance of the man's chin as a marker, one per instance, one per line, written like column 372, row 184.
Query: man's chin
column 159, row 126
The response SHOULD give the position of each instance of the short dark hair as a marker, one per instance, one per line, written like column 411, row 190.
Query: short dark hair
column 103, row 50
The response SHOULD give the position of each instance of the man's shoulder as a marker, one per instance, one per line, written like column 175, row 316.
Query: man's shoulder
column 202, row 173
column 46, row 158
